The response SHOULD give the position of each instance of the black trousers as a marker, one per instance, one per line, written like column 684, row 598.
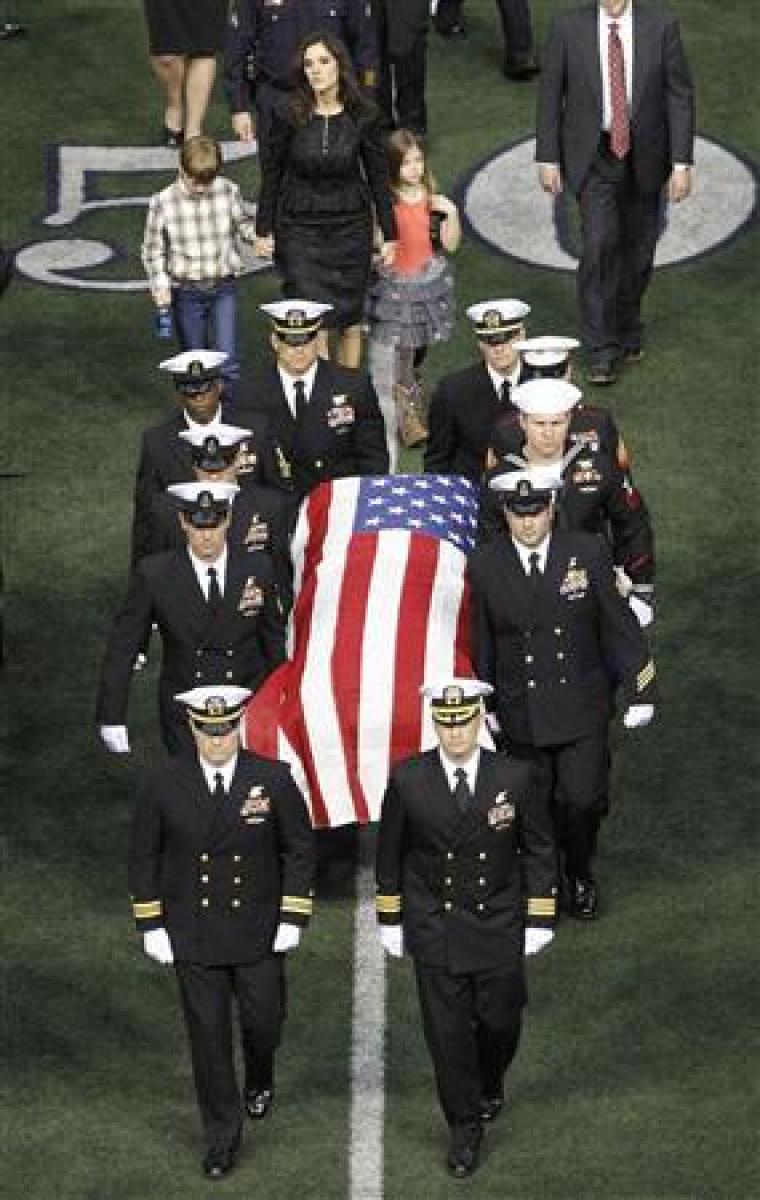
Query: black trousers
column 516, row 25
column 472, row 1029
column 207, row 994
column 619, row 228
column 575, row 777
column 402, row 81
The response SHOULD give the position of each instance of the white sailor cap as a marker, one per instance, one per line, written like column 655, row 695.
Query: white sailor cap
column 205, row 503
column 192, row 369
column 214, row 447
column 455, row 700
column 526, row 490
column 548, row 355
column 545, row 397
column 296, row 321
column 215, row 708
column 497, row 320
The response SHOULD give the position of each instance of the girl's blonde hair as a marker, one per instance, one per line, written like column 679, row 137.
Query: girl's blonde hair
column 398, row 145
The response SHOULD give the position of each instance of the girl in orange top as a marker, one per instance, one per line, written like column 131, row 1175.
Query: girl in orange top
column 411, row 304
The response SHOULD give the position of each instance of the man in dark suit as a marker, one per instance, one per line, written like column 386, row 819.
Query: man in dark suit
column 165, row 458
column 262, row 516
column 324, row 417
column 217, row 611
column 598, row 493
column 221, row 867
column 519, row 58
column 616, row 123
column 402, row 32
column 466, row 404
column 554, row 636
column 465, row 860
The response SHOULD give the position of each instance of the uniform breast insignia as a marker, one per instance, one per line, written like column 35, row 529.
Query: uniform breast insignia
column 575, row 584
column 283, row 466
column 586, row 437
column 247, row 459
column 341, row 415
column 256, row 806
column 258, row 533
column 585, row 475
column 501, row 814
column 252, row 599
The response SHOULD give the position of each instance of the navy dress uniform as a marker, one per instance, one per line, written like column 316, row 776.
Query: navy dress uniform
column 166, row 459
column 557, row 640
column 598, row 494
column 461, row 869
column 337, row 430
column 235, row 633
column 262, row 517
column 263, row 39
column 466, row 404
column 221, row 866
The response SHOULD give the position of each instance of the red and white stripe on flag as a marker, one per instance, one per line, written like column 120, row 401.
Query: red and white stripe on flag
column 381, row 604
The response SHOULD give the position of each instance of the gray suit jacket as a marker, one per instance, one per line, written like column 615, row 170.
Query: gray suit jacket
column 569, row 116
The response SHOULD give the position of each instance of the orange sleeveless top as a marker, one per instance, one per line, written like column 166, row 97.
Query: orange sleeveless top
column 414, row 247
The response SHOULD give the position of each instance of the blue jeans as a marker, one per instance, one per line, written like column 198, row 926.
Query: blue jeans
column 206, row 319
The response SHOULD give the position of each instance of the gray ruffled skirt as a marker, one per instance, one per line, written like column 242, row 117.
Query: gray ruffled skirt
column 412, row 310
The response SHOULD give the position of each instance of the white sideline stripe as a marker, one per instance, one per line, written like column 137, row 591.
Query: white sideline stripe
column 365, row 1165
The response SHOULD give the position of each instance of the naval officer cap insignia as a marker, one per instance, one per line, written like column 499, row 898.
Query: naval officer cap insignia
column 296, row 321
column 455, row 700
column 497, row 321
column 216, row 708
column 214, row 449
column 526, row 490
column 205, row 504
column 545, row 397
column 546, row 357
column 194, row 371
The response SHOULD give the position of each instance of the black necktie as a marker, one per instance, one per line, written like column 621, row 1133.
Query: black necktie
column 534, row 575
column 462, row 793
column 505, row 391
column 300, row 393
column 218, row 793
column 214, row 598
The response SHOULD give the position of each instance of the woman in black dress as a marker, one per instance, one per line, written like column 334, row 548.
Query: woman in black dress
column 325, row 166
column 185, row 36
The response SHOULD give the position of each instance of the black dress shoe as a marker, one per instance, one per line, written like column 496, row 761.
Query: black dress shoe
column 490, row 1107
column 632, row 354
column 173, row 138
column 464, row 1151
column 219, row 1163
column 258, row 1102
column 520, row 71
column 602, row 374
column 585, row 899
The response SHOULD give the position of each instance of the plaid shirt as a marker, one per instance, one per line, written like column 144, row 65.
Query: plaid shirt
column 192, row 237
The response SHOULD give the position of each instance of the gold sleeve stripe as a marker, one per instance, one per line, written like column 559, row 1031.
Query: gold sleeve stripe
column 388, row 904
column 645, row 676
column 143, row 909
column 302, row 904
column 542, row 908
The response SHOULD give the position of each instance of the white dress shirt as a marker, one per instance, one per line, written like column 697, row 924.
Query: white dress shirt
column 226, row 771
column 497, row 380
column 289, row 384
column 525, row 552
column 201, row 571
column 625, row 32
column 196, row 426
column 470, row 769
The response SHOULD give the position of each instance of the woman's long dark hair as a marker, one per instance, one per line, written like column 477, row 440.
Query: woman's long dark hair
column 349, row 94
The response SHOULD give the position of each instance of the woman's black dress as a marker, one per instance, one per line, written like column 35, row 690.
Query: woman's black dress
column 194, row 27
column 317, row 188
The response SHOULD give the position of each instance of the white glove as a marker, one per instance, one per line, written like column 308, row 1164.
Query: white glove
column 115, row 738
column 624, row 582
column 638, row 715
column 286, row 938
column 643, row 612
column 392, row 938
column 492, row 721
column 537, row 940
column 157, row 945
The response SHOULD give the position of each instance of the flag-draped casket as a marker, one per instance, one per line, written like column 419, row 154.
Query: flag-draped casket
column 380, row 604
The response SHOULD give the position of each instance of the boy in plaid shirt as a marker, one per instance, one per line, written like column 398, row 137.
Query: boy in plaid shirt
column 190, row 251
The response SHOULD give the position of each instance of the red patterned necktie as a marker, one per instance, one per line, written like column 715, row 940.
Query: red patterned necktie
column 620, row 129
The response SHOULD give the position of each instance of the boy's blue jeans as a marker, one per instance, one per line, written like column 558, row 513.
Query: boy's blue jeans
column 206, row 319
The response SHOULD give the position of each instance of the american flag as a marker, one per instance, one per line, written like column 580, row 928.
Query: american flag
column 381, row 604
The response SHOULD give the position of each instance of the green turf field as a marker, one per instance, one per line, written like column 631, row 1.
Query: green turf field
column 635, row 1077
